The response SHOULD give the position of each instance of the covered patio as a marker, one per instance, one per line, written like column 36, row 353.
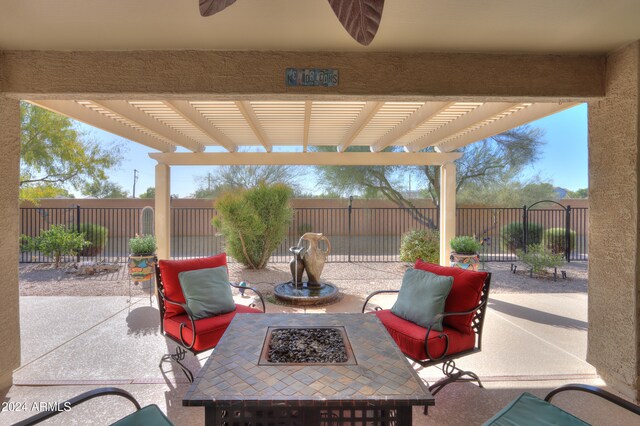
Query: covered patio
column 440, row 75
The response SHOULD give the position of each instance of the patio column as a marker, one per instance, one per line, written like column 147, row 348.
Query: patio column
column 447, row 210
column 163, row 210
column 614, row 225
column 9, row 229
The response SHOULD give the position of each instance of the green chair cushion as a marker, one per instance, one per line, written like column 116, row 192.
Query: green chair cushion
column 422, row 296
column 529, row 410
column 207, row 291
column 149, row 415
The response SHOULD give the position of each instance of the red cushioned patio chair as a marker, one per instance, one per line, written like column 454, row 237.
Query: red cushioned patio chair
column 462, row 322
column 176, row 319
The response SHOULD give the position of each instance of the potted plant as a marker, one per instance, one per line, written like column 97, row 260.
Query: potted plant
column 142, row 259
column 465, row 252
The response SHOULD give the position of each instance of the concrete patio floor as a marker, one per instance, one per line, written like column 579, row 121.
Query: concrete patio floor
column 532, row 342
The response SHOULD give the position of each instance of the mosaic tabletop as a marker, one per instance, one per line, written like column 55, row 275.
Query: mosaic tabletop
column 381, row 375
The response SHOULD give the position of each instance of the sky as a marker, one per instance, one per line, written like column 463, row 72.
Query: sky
column 563, row 162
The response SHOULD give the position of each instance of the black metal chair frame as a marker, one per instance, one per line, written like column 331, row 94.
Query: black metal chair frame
column 44, row 415
column 448, row 364
column 595, row 390
column 182, row 345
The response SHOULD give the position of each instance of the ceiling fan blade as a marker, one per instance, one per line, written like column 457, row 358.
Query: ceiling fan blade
column 211, row 7
column 361, row 18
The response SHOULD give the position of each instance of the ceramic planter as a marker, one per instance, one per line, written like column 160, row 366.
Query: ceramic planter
column 465, row 261
column 141, row 268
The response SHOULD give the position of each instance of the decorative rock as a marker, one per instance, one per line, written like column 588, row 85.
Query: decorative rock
column 306, row 345
column 92, row 268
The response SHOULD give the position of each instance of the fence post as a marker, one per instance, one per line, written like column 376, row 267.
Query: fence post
column 349, row 230
column 567, row 234
column 78, row 228
column 525, row 227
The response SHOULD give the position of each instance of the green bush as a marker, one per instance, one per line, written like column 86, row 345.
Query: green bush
column 555, row 240
column 254, row 222
column 465, row 245
column 142, row 245
column 538, row 258
column 57, row 241
column 420, row 244
column 97, row 235
column 512, row 236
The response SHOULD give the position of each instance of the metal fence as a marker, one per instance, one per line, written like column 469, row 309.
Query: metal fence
column 356, row 234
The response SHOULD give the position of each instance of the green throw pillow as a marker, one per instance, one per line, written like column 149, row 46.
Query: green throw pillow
column 207, row 291
column 422, row 296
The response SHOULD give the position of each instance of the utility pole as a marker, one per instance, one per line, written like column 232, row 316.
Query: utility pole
column 135, row 179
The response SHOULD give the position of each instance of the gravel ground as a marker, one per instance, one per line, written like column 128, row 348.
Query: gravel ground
column 357, row 279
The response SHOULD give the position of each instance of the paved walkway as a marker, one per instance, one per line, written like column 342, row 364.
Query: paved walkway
column 532, row 342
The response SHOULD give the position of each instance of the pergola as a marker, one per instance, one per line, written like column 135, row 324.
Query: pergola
column 441, row 74
column 214, row 133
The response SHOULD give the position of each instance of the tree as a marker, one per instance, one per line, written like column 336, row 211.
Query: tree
column 230, row 178
column 36, row 192
column 149, row 193
column 55, row 154
column 507, row 194
column 104, row 189
column 254, row 221
column 580, row 193
column 497, row 159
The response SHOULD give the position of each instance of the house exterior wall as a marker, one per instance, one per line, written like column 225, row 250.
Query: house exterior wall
column 614, row 266
column 9, row 176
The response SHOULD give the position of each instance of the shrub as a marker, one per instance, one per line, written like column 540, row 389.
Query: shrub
column 538, row 258
column 512, row 236
column 97, row 235
column 58, row 241
column 465, row 245
column 254, row 222
column 555, row 239
column 420, row 244
column 142, row 245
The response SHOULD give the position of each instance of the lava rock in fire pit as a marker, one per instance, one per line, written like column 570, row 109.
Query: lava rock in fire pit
column 306, row 345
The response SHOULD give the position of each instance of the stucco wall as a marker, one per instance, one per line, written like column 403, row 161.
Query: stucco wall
column 9, row 176
column 614, row 139
column 391, row 75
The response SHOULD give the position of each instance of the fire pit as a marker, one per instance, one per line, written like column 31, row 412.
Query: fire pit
column 239, row 384
column 304, row 345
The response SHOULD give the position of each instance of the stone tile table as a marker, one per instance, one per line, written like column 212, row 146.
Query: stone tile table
column 239, row 386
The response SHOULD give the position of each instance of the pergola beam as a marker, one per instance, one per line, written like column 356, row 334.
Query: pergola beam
column 307, row 123
column 306, row 158
column 130, row 112
column 368, row 112
column 254, row 122
column 189, row 113
column 518, row 118
column 93, row 118
column 481, row 113
column 422, row 114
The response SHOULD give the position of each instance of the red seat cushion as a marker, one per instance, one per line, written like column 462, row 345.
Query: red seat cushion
column 464, row 296
column 208, row 330
column 169, row 269
column 410, row 337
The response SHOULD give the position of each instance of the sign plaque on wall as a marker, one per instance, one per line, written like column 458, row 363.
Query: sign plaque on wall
column 325, row 77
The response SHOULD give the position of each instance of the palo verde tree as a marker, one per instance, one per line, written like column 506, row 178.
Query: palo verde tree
column 55, row 154
column 231, row 178
column 497, row 159
column 254, row 221
column 104, row 189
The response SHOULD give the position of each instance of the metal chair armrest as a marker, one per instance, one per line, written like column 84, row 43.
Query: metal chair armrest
column 182, row 324
column 264, row 309
column 40, row 417
column 595, row 390
column 375, row 293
